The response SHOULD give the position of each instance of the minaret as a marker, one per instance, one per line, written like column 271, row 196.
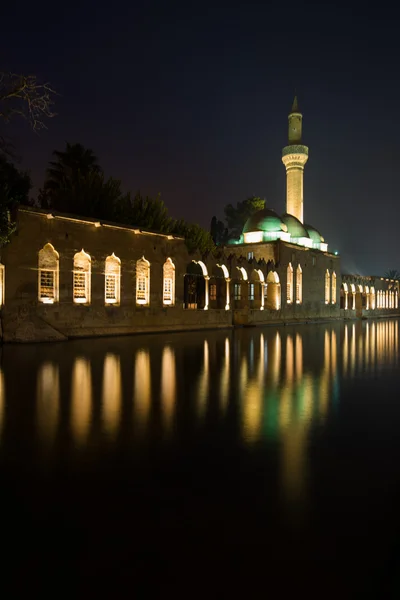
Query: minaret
column 294, row 157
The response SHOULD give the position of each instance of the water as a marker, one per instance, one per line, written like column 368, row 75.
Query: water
column 209, row 464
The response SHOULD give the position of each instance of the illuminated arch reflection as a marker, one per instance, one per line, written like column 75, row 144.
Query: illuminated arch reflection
column 48, row 400
column 81, row 400
column 112, row 393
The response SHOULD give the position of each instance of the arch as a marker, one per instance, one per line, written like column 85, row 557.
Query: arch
column 243, row 272
column 344, row 296
column 366, row 298
column 82, row 278
column 299, row 285
column 48, row 277
column 333, row 288
column 202, row 266
column 396, row 299
column 372, row 299
column 327, row 287
column 169, row 283
column 112, row 280
column 223, row 294
column 196, row 286
column 289, row 284
column 273, row 288
column 142, row 282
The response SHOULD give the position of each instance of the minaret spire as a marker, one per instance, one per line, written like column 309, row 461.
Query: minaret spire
column 294, row 157
column 295, row 105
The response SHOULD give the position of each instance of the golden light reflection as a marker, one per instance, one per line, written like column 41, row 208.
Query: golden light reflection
column 253, row 396
column 204, row 380
column 142, row 389
column 81, row 399
column 2, row 402
column 112, row 393
column 289, row 358
column 48, row 400
column 225, row 377
column 168, row 385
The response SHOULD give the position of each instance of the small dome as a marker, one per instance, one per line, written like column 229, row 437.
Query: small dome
column 264, row 220
column 294, row 226
column 314, row 234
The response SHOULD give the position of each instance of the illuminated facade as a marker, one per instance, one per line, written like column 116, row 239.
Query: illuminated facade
column 82, row 277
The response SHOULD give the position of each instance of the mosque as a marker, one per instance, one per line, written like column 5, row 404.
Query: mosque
column 63, row 276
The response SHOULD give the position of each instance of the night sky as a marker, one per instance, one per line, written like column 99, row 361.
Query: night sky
column 191, row 100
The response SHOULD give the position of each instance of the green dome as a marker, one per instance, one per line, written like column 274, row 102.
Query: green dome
column 294, row 226
column 264, row 220
column 314, row 234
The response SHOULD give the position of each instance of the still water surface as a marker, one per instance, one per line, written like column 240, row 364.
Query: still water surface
column 218, row 463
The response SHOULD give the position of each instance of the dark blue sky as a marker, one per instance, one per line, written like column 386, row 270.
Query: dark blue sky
column 192, row 102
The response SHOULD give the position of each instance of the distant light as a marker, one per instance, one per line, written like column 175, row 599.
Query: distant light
column 336, row 252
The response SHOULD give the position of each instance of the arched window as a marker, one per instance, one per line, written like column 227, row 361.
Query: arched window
column 48, row 275
column 169, row 283
column 112, row 283
column 289, row 284
column 333, row 296
column 372, row 298
column 299, row 285
column 143, row 282
column 353, row 296
column 327, row 287
column 366, row 292
column 273, row 288
column 81, row 278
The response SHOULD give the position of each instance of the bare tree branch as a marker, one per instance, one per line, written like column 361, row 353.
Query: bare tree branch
column 24, row 96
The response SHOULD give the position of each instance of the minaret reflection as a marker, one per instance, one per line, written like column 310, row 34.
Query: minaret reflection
column 225, row 378
column 252, row 393
column 168, row 385
column 142, row 389
column 81, row 399
column 203, row 384
column 47, row 400
column 112, row 393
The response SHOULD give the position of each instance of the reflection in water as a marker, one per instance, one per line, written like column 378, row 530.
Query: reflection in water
column 225, row 378
column 142, row 389
column 48, row 400
column 252, row 396
column 112, row 393
column 168, row 385
column 369, row 346
column 2, row 402
column 203, row 384
column 81, row 399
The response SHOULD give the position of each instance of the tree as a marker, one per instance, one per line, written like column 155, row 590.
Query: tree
column 237, row 216
column 70, row 166
column 393, row 274
column 218, row 231
column 14, row 190
column 145, row 212
column 24, row 96
column 196, row 237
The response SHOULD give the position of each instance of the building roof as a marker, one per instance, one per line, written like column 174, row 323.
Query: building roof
column 314, row 234
column 264, row 220
column 294, row 226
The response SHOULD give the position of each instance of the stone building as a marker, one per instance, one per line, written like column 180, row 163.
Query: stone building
column 63, row 276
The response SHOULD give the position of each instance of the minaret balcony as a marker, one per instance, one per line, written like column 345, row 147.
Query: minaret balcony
column 295, row 149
